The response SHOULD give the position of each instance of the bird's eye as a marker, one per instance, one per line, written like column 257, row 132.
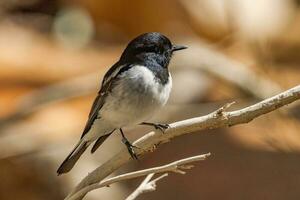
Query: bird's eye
column 151, row 48
column 158, row 49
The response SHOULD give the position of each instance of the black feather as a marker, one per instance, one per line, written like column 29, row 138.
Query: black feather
column 99, row 142
column 72, row 158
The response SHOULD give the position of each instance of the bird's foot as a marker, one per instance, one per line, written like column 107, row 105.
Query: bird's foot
column 161, row 127
column 130, row 148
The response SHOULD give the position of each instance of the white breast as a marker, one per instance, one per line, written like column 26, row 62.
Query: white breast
column 142, row 80
column 135, row 97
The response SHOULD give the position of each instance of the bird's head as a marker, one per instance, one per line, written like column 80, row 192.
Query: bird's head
column 150, row 47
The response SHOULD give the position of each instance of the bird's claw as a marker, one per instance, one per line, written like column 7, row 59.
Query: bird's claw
column 130, row 148
column 132, row 153
column 161, row 127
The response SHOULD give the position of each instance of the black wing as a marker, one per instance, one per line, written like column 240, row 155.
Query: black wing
column 107, row 82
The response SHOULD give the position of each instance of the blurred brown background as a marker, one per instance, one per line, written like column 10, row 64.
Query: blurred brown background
column 53, row 54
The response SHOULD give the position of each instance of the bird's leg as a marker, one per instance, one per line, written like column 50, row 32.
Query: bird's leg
column 159, row 126
column 129, row 146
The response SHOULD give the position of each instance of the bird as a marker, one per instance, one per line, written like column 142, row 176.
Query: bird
column 132, row 91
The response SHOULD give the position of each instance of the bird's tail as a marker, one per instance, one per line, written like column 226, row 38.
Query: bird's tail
column 72, row 158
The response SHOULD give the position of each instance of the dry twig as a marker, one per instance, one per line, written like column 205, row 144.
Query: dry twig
column 146, row 186
column 213, row 120
column 177, row 167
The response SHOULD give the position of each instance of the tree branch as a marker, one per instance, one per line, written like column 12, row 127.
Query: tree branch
column 177, row 167
column 217, row 119
column 146, row 186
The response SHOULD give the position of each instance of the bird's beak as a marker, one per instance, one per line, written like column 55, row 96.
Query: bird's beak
column 178, row 47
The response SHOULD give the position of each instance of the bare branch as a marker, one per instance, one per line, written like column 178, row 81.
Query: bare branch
column 210, row 121
column 146, row 186
column 176, row 167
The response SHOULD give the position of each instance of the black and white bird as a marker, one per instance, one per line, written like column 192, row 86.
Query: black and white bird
column 132, row 90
